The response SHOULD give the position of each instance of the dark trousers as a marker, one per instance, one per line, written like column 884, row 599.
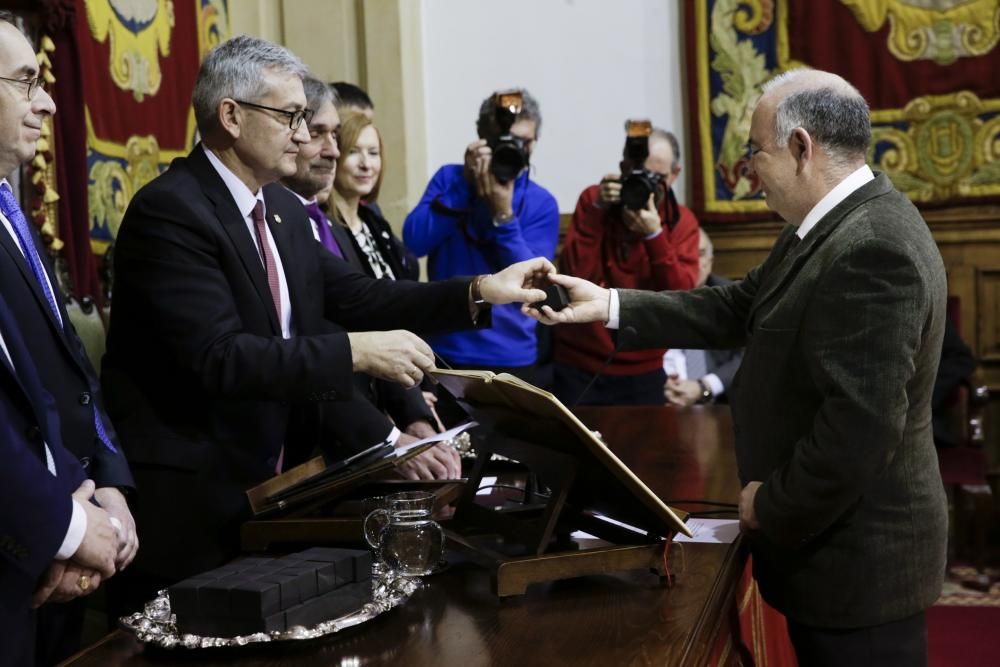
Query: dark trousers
column 641, row 389
column 901, row 643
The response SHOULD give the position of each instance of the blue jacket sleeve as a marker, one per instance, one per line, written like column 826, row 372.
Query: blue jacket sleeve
column 533, row 235
column 424, row 228
column 28, row 539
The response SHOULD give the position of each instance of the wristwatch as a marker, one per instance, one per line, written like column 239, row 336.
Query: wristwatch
column 502, row 218
column 475, row 289
column 706, row 393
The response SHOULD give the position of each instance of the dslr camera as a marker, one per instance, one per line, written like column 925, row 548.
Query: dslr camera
column 509, row 154
column 637, row 181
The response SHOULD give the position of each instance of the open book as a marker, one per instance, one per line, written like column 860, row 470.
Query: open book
column 517, row 409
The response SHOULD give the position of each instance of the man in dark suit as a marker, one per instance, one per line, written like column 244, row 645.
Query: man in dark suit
column 707, row 373
column 359, row 422
column 842, row 324
column 219, row 350
column 33, row 295
column 60, row 550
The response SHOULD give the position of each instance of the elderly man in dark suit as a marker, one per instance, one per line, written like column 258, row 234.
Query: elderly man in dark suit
column 60, row 549
column 32, row 292
column 220, row 353
column 842, row 324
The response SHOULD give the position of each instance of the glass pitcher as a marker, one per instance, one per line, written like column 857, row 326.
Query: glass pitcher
column 403, row 534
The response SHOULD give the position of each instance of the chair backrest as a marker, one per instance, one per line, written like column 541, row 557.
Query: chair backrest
column 86, row 319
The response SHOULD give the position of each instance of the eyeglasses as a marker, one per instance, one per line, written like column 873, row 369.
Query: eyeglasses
column 31, row 84
column 295, row 118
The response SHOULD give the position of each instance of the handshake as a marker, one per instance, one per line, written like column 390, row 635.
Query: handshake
column 545, row 295
column 109, row 544
column 400, row 356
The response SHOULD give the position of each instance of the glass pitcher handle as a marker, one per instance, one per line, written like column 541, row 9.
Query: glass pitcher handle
column 375, row 544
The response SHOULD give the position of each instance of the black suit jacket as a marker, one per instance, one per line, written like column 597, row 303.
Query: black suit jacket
column 360, row 421
column 832, row 407
column 204, row 389
column 404, row 405
column 35, row 505
column 62, row 364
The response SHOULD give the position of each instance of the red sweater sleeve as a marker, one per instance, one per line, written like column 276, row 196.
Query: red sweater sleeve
column 673, row 255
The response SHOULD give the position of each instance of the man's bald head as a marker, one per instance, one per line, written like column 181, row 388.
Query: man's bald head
column 826, row 106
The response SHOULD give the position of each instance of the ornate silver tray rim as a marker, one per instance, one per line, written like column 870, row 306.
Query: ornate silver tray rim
column 157, row 625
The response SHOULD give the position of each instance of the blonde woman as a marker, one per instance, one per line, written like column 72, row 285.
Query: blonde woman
column 376, row 250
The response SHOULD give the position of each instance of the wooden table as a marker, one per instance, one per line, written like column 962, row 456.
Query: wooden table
column 618, row 619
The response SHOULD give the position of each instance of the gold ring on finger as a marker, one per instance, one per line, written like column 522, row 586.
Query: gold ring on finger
column 83, row 582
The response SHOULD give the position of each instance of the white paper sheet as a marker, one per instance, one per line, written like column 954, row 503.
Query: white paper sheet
column 437, row 437
column 711, row 531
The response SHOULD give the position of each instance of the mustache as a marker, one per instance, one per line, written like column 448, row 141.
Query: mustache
column 324, row 164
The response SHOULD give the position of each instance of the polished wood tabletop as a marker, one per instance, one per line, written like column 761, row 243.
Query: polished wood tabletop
column 613, row 619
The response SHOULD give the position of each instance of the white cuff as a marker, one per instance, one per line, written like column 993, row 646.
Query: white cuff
column 714, row 384
column 393, row 436
column 613, row 309
column 75, row 533
column 650, row 237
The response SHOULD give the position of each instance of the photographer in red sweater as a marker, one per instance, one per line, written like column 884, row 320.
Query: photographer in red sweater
column 628, row 231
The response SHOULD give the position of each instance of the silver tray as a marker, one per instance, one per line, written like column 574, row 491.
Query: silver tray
column 156, row 624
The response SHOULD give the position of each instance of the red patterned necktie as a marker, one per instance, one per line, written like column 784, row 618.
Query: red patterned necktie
column 267, row 256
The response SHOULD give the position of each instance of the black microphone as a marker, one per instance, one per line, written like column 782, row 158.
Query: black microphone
column 625, row 336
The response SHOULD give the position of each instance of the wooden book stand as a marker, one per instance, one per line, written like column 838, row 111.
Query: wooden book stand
column 590, row 490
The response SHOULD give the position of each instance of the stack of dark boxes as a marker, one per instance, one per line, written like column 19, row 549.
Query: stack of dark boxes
column 272, row 594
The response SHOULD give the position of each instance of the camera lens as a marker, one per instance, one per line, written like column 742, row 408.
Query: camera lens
column 636, row 189
column 508, row 160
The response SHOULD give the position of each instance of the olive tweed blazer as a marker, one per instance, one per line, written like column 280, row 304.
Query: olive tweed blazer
column 832, row 406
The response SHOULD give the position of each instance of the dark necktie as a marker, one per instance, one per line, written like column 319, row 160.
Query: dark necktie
column 11, row 210
column 323, row 229
column 273, row 282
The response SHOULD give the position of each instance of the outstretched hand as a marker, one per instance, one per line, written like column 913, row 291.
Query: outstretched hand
column 587, row 303
column 522, row 282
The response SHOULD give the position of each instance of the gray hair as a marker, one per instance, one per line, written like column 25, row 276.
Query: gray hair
column 235, row 69
column 486, row 123
column 317, row 92
column 670, row 138
column 834, row 114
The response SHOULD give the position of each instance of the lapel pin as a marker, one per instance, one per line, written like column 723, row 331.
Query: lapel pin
column 277, row 218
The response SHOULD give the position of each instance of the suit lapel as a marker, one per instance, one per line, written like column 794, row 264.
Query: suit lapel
column 11, row 248
column 21, row 377
column 346, row 242
column 796, row 255
column 235, row 226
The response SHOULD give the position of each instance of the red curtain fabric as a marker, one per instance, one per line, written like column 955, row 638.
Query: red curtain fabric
column 129, row 68
column 71, row 149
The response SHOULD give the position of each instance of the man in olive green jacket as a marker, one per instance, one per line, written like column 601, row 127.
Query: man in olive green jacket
column 842, row 324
